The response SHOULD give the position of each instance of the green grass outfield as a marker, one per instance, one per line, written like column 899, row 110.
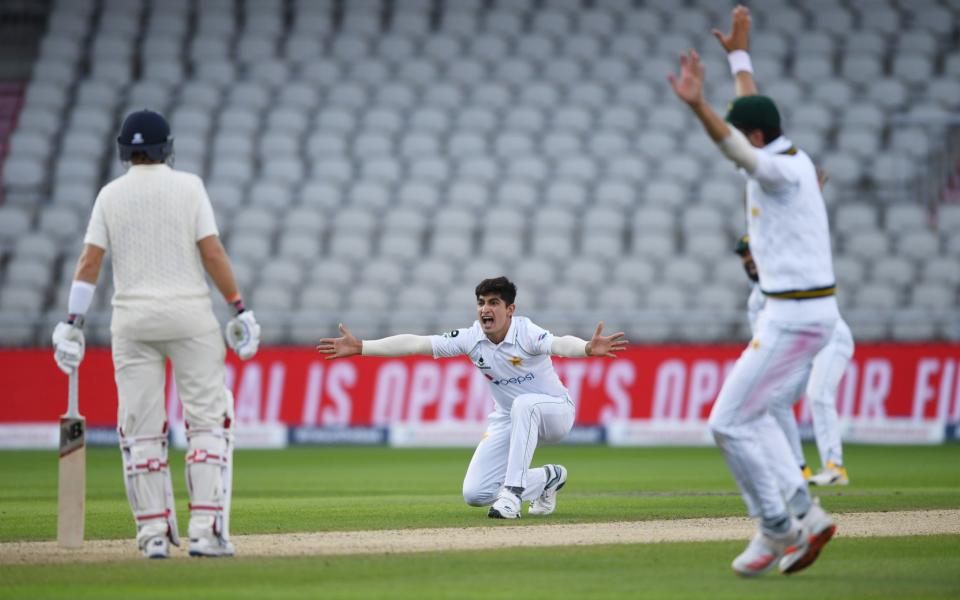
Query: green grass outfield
column 322, row 489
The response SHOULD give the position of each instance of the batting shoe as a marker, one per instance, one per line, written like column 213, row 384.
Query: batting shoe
column 546, row 503
column 507, row 506
column 206, row 541
column 818, row 529
column 766, row 549
column 832, row 474
column 157, row 547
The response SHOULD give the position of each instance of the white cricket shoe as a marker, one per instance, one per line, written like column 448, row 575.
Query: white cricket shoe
column 766, row 549
column 157, row 547
column 832, row 474
column 507, row 506
column 818, row 528
column 206, row 541
column 211, row 546
column 546, row 503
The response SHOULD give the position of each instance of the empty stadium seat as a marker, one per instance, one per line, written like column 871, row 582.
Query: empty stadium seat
column 919, row 245
column 895, row 270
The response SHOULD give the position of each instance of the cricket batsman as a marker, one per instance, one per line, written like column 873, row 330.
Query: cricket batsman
column 531, row 404
column 159, row 225
column 790, row 239
column 827, row 370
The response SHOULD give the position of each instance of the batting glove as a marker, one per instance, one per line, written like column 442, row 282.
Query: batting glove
column 243, row 334
column 68, row 347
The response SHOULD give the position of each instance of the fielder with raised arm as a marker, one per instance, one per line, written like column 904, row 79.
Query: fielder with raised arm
column 160, row 227
column 828, row 368
column 790, row 238
column 531, row 405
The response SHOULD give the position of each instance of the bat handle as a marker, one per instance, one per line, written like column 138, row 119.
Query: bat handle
column 73, row 401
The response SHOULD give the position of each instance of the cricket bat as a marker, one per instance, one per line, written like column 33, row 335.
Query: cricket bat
column 71, row 493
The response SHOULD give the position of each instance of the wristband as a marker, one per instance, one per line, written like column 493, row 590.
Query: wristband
column 238, row 306
column 739, row 62
column 81, row 297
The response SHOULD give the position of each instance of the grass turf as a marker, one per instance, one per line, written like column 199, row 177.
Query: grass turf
column 896, row 568
column 321, row 489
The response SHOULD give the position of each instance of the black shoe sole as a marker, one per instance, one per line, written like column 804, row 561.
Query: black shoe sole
column 495, row 514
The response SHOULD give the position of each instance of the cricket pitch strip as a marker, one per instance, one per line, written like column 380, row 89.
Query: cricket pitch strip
column 497, row 535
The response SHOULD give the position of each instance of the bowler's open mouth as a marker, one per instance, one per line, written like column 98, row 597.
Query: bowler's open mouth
column 486, row 320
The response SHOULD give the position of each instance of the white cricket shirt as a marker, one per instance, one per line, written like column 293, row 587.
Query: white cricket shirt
column 150, row 219
column 787, row 221
column 520, row 364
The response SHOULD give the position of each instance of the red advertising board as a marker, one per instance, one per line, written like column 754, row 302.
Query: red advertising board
column 295, row 387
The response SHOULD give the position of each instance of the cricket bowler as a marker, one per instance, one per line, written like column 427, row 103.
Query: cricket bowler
column 790, row 239
column 531, row 404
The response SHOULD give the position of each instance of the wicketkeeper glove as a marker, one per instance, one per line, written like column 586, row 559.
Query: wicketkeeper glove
column 68, row 346
column 243, row 334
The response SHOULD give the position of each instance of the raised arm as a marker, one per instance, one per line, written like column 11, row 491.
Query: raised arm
column 689, row 88
column 395, row 345
column 737, row 44
column 599, row 344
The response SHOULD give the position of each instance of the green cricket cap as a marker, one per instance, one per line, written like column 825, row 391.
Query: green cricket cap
column 753, row 112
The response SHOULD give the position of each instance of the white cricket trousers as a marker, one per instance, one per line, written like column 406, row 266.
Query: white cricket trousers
column 504, row 454
column 198, row 368
column 828, row 368
column 769, row 372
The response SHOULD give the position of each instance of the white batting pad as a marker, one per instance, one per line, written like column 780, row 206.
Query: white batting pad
column 149, row 489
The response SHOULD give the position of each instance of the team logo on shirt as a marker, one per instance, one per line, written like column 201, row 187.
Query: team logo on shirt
column 481, row 365
column 516, row 361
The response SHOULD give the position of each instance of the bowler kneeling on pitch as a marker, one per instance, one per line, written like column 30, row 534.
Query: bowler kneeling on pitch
column 531, row 404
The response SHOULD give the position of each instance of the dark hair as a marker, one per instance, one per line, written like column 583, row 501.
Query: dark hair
column 142, row 158
column 501, row 286
column 768, row 134
column 771, row 134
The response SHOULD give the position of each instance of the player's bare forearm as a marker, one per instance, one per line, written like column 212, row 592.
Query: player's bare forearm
column 217, row 265
column 89, row 264
column 737, row 40
column 715, row 127
column 745, row 84
column 688, row 86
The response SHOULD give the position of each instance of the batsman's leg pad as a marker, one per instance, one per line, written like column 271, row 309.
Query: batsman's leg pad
column 209, row 480
column 148, row 485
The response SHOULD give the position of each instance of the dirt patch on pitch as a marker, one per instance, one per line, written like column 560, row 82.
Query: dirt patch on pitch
column 505, row 534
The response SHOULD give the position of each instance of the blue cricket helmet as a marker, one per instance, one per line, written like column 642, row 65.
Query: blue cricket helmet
column 148, row 132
